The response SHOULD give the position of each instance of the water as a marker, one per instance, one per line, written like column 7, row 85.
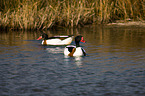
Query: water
column 114, row 65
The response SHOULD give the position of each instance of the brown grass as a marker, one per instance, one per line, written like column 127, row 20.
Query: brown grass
column 44, row 14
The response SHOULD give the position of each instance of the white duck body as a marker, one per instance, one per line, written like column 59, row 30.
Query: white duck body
column 79, row 51
column 58, row 41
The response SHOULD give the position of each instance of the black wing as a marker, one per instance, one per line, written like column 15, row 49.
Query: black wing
column 84, row 52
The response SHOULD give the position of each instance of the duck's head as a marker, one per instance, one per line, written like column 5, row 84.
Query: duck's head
column 79, row 39
column 43, row 35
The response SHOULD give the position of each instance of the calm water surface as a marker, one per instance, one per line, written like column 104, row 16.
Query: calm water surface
column 114, row 65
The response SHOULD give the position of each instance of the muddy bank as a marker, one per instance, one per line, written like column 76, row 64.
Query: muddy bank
column 128, row 23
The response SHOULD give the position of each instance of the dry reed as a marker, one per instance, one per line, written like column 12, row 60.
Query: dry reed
column 44, row 14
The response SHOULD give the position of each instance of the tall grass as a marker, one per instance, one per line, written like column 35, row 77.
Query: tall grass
column 44, row 14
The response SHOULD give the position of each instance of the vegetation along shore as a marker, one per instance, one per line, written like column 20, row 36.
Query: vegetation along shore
column 44, row 14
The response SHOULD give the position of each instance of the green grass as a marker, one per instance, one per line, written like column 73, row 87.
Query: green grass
column 44, row 14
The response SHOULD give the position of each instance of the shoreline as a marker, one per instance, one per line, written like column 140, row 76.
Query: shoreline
column 127, row 23
column 117, row 23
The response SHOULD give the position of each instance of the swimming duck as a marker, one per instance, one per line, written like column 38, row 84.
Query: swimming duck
column 75, row 50
column 56, row 40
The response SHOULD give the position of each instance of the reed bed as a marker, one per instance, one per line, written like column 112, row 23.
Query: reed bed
column 44, row 14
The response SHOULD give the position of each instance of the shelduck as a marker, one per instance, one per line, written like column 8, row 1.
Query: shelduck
column 75, row 50
column 56, row 40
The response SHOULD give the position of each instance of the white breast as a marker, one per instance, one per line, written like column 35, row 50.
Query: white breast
column 78, row 52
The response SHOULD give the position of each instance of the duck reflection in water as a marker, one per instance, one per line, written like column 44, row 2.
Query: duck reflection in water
column 55, row 50
column 57, row 54
column 76, row 60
